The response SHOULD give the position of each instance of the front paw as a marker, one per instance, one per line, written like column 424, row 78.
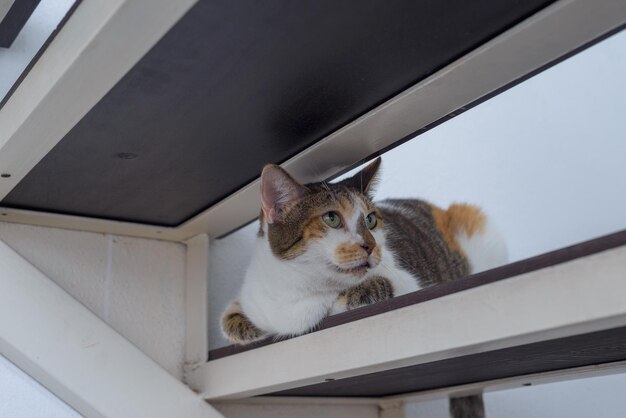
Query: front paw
column 370, row 291
column 237, row 328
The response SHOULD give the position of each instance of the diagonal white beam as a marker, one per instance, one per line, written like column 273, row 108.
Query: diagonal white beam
column 63, row 345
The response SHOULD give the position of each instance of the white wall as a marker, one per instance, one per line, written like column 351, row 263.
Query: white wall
column 135, row 285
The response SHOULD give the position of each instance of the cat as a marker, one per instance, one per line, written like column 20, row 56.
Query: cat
column 326, row 248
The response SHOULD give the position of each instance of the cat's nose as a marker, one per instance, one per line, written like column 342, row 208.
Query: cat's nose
column 368, row 247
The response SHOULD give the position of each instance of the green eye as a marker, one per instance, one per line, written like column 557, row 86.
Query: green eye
column 332, row 219
column 370, row 221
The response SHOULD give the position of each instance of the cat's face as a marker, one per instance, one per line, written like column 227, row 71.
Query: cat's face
column 333, row 230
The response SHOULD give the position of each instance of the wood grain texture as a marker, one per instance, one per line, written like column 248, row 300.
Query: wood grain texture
column 501, row 273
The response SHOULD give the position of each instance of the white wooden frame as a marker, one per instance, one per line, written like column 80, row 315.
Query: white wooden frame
column 47, row 113
column 94, row 50
column 77, row 356
column 196, row 303
column 572, row 298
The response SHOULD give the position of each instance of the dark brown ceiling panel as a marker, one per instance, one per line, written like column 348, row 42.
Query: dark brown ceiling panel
column 237, row 84
column 15, row 19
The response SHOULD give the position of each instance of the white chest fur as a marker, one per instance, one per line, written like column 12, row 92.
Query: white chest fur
column 286, row 297
column 281, row 296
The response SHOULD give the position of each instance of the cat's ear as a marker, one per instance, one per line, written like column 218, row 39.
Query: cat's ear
column 365, row 180
column 278, row 189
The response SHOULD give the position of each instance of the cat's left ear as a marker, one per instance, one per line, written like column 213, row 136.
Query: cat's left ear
column 365, row 180
column 278, row 189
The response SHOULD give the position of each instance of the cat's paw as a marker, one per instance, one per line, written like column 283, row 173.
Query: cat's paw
column 370, row 291
column 237, row 328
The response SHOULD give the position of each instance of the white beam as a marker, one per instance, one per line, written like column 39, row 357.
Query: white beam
column 196, row 302
column 572, row 298
column 67, row 348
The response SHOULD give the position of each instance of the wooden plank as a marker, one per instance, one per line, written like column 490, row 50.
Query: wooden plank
column 528, row 265
column 581, row 350
column 14, row 20
column 576, row 297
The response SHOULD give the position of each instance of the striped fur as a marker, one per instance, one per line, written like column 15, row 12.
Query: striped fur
column 305, row 268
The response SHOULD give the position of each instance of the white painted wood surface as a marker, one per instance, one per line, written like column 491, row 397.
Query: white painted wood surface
column 580, row 296
column 67, row 348
column 135, row 285
column 196, row 302
column 551, row 33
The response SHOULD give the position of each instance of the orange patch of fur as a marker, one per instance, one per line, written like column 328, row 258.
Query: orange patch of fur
column 347, row 206
column 313, row 228
column 348, row 252
column 377, row 253
column 459, row 217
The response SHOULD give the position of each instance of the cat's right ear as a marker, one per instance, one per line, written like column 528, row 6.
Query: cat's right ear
column 278, row 189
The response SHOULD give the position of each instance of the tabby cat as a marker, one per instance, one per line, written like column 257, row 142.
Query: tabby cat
column 325, row 248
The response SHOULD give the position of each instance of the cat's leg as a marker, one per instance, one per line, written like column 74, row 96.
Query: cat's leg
column 372, row 290
column 236, row 326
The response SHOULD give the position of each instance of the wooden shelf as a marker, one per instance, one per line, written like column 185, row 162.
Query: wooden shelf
column 555, row 311
column 501, row 273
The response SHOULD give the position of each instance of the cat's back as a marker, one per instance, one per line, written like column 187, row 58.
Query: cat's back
column 438, row 244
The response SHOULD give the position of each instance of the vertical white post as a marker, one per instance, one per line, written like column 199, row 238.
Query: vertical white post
column 196, row 303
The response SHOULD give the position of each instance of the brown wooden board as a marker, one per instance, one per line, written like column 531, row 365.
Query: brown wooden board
column 236, row 84
column 501, row 273
column 563, row 353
